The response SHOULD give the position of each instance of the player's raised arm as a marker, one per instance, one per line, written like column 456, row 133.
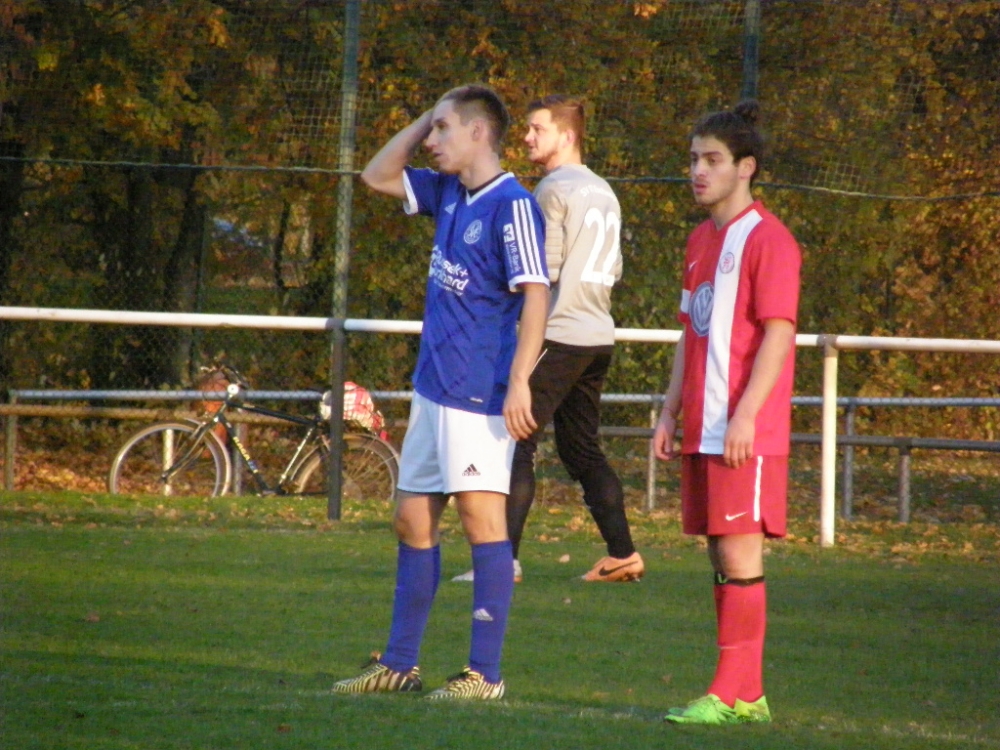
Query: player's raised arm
column 384, row 173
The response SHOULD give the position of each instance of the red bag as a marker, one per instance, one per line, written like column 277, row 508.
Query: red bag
column 360, row 411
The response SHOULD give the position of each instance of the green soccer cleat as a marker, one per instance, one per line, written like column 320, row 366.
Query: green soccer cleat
column 753, row 713
column 378, row 678
column 705, row 710
column 468, row 685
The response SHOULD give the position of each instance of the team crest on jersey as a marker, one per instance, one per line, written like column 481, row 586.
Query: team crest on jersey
column 727, row 262
column 701, row 308
column 473, row 232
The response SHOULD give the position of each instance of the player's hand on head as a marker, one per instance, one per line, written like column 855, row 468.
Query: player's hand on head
column 738, row 443
column 517, row 411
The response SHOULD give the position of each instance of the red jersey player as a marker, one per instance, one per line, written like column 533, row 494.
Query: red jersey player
column 732, row 379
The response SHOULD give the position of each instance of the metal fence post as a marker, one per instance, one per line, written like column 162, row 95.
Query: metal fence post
column 651, row 459
column 10, row 437
column 345, row 194
column 828, row 478
column 904, row 484
column 239, row 469
column 847, row 507
column 751, row 46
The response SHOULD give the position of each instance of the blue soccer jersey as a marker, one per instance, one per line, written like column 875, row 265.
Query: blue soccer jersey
column 485, row 245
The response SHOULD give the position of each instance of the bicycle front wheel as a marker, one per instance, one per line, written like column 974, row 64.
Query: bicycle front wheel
column 171, row 459
column 370, row 470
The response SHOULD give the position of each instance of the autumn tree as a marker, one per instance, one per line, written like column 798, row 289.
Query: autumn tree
column 181, row 156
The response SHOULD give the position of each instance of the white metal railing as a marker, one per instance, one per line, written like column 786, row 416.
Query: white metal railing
column 831, row 344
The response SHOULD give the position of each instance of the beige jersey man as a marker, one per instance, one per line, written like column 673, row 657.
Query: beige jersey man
column 583, row 221
column 582, row 230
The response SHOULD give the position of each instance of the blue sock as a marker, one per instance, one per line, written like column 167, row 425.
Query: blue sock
column 492, row 590
column 418, row 572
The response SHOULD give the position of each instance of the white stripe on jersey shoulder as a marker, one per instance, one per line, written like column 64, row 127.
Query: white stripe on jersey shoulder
column 746, row 224
column 470, row 199
column 685, row 300
column 410, row 205
column 736, row 242
column 526, row 234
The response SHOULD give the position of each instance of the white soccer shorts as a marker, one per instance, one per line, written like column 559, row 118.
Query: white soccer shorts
column 448, row 450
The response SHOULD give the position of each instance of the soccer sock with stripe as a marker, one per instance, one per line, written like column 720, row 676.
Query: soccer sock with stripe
column 418, row 572
column 492, row 590
column 741, row 609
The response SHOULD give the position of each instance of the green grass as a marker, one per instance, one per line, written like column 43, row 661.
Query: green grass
column 127, row 623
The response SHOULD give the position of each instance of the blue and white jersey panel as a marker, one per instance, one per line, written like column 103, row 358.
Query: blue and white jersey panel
column 485, row 245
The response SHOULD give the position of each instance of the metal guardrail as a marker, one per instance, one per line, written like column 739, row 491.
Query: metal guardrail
column 831, row 346
column 11, row 411
column 848, row 441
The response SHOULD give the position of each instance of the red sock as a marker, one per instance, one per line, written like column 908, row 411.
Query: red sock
column 717, row 591
column 742, row 616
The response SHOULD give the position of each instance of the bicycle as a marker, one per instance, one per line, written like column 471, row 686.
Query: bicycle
column 189, row 457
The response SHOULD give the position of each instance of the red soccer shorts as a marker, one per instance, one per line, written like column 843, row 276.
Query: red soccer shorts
column 717, row 500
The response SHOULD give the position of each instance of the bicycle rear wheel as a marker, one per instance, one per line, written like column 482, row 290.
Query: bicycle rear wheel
column 370, row 470
column 171, row 459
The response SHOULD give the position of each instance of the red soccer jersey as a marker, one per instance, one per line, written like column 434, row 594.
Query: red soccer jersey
column 736, row 278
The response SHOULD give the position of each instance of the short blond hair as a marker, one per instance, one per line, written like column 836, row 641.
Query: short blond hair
column 476, row 100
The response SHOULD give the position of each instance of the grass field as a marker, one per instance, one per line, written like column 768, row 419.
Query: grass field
column 222, row 624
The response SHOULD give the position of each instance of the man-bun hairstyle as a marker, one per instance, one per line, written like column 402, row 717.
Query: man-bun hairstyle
column 749, row 110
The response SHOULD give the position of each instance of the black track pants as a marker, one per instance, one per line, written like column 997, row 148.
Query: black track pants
column 566, row 390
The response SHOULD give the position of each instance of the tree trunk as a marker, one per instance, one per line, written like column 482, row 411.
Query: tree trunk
column 181, row 277
column 125, row 356
column 278, row 254
column 11, row 187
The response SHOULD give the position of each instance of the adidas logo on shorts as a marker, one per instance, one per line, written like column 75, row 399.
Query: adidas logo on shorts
column 483, row 615
column 472, row 471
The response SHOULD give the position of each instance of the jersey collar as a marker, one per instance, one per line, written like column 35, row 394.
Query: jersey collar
column 471, row 196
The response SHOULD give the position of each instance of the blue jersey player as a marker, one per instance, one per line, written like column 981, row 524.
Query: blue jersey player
column 472, row 402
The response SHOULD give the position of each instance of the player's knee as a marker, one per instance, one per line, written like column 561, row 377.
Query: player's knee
column 736, row 569
column 418, row 535
column 485, row 531
column 582, row 459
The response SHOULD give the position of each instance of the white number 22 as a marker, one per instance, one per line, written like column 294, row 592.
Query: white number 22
column 604, row 223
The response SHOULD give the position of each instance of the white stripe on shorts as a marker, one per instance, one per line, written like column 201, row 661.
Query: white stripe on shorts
column 756, row 489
